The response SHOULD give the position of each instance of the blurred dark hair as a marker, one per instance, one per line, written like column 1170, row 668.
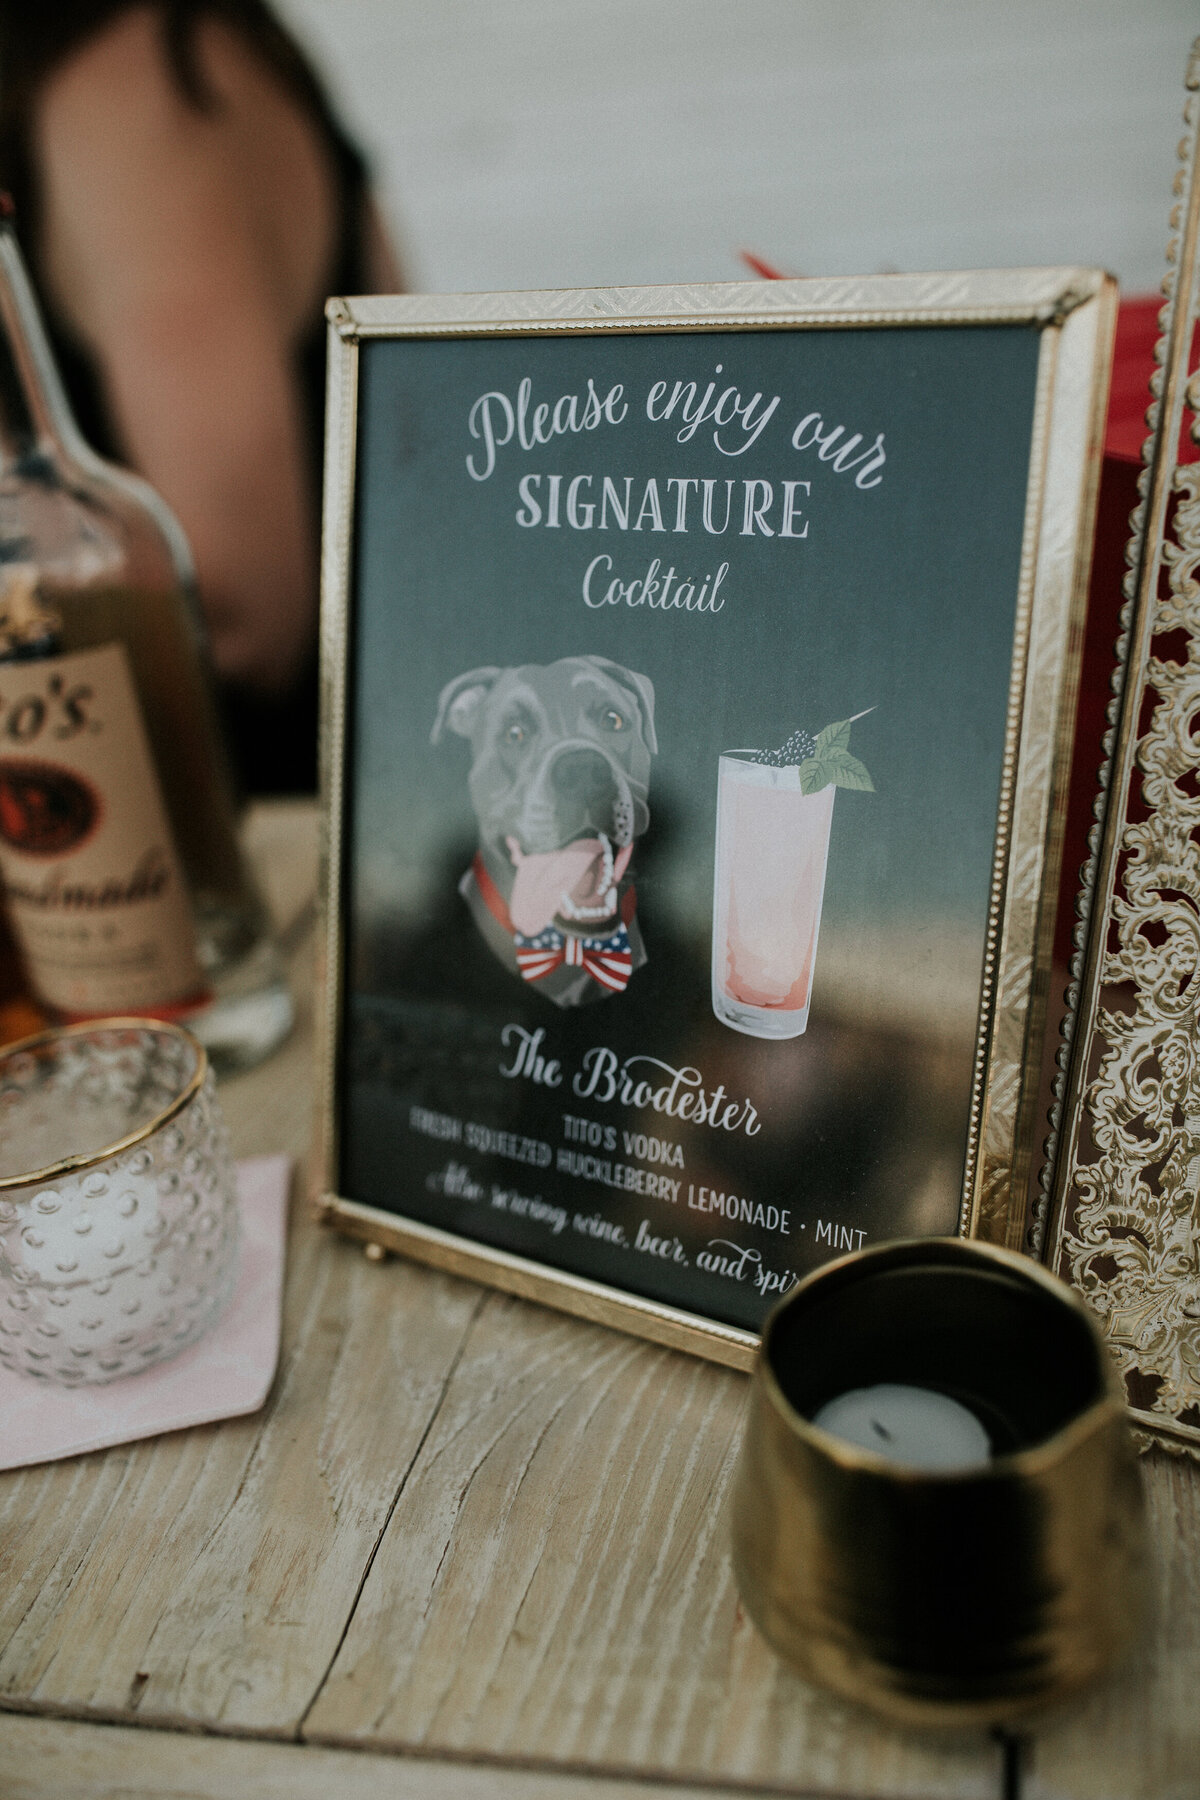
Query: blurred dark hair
column 37, row 35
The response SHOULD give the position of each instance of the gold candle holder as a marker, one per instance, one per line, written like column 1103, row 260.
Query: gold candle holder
column 953, row 1595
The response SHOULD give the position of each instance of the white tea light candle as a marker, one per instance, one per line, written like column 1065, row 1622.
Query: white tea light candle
column 915, row 1426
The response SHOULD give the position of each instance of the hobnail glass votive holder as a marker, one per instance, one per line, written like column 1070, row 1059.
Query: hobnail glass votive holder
column 118, row 1205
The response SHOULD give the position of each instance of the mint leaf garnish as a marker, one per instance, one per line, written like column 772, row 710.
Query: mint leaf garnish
column 814, row 775
column 848, row 772
column 831, row 762
column 821, row 760
column 834, row 737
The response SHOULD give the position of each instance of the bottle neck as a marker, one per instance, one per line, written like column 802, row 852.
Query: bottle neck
column 39, row 438
column 36, row 422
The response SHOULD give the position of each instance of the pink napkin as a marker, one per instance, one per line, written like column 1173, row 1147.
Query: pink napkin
column 227, row 1373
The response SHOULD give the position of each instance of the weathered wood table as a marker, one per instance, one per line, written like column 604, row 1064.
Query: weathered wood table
column 487, row 1543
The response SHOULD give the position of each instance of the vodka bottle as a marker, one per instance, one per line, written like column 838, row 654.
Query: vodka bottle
column 20, row 1014
column 125, row 887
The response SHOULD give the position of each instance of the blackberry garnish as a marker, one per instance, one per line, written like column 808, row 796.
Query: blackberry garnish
column 798, row 748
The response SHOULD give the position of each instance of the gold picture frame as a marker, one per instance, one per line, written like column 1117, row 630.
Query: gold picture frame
column 1119, row 1210
column 1072, row 313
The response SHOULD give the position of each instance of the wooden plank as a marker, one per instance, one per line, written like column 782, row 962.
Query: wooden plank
column 53, row 1760
column 554, row 1586
column 1137, row 1735
column 205, row 1577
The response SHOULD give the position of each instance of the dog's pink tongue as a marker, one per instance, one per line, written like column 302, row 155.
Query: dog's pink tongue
column 543, row 879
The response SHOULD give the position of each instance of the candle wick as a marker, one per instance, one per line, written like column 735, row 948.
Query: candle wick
column 881, row 1430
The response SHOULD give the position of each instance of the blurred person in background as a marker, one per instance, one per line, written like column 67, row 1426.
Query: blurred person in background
column 187, row 200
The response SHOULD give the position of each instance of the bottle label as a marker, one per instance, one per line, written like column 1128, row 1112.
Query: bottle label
column 93, row 880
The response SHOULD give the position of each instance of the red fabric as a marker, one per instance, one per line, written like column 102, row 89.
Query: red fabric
column 1125, row 433
column 1138, row 331
column 1133, row 365
column 757, row 266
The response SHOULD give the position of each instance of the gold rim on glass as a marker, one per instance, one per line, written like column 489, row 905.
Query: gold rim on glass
column 70, row 1165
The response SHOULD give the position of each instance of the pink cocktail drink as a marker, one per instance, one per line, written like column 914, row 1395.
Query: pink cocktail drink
column 772, row 848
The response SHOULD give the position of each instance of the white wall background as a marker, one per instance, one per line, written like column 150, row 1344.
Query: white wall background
column 548, row 143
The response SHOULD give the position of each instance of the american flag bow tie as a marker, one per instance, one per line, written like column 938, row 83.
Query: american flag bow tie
column 608, row 960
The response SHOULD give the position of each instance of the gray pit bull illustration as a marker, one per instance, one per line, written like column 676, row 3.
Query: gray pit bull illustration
column 560, row 773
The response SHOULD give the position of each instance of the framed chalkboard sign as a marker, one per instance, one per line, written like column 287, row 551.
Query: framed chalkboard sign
column 699, row 671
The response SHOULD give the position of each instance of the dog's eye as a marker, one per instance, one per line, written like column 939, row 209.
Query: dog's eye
column 515, row 733
column 612, row 720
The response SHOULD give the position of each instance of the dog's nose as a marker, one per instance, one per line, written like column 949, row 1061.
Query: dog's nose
column 583, row 775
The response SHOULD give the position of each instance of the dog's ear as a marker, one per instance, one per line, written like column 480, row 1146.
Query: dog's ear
column 642, row 686
column 460, row 700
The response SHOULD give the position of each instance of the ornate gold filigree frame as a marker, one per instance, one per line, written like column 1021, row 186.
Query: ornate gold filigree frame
column 1123, row 1222
column 1073, row 310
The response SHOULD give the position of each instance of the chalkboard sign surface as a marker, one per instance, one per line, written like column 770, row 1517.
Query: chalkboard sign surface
column 698, row 672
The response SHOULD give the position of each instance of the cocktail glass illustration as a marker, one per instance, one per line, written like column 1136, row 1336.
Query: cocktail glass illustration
column 772, row 848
